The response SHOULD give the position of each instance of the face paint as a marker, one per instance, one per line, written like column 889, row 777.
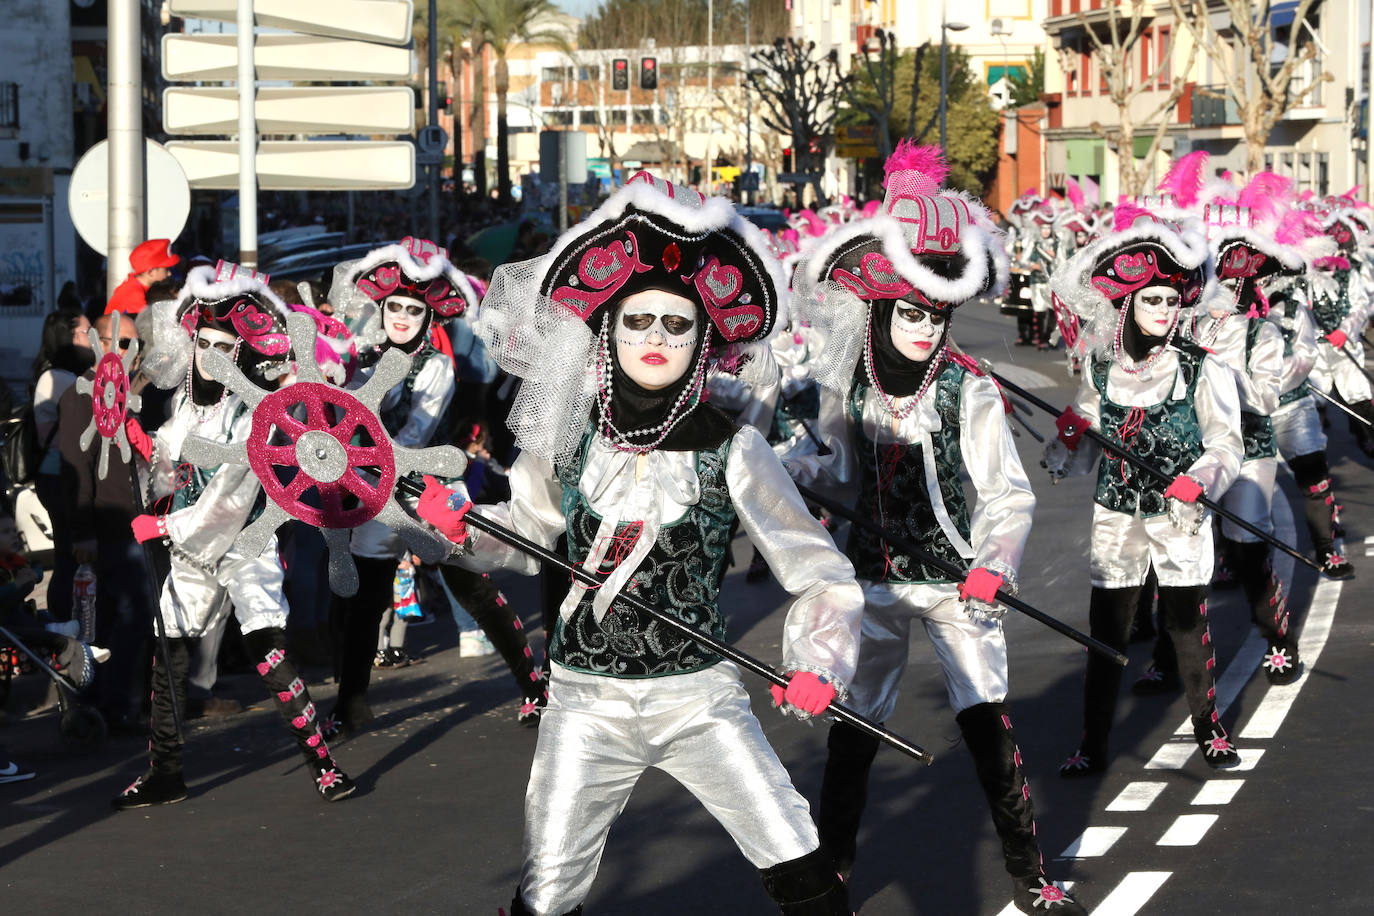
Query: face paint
column 1155, row 309
column 915, row 332
column 210, row 338
column 655, row 337
column 402, row 317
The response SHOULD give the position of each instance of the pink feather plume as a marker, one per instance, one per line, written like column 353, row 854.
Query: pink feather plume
column 1091, row 192
column 1126, row 213
column 871, row 207
column 1267, row 195
column 1184, row 178
column 1297, row 226
column 927, row 163
column 1075, row 192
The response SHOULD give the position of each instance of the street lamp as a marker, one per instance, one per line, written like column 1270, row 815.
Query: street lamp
column 945, row 26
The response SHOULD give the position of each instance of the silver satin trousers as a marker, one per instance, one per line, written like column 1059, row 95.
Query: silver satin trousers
column 193, row 600
column 599, row 734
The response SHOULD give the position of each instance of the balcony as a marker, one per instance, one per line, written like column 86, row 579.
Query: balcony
column 1210, row 111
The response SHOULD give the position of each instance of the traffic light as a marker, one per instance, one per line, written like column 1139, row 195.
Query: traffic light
column 787, row 159
column 448, row 104
column 620, row 75
column 648, row 73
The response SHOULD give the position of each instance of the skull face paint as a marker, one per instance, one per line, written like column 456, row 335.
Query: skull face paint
column 1156, row 309
column 656, row 334
column 403, row 318
column 915, row 332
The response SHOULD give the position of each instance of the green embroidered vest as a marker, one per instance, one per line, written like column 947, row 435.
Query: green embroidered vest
column 1256, row 429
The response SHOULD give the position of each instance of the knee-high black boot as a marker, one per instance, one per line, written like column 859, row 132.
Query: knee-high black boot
column 1109, row 615
column 484, row 601
column 1268, row 609
column 997, row 760
column 267, row 648
column 844, row 791
column 1320, row 510
column 1183, row 611
column 355, row 622
column 163, row 784
column 808, row 886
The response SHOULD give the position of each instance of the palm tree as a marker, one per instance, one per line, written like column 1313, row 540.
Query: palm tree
column 499, row 24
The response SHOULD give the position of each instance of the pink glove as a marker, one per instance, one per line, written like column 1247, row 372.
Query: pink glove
column 1184, row 489
column 141, row 441
column 1337, row 338
column 434, row 508
column 806, row 691
column 148, row 527
column 1071, row 427
column 982, row 585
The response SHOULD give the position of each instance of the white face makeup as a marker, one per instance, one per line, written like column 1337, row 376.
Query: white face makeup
column 915, row 332
column 1156, row 307
column 655, row 336
column 210, row 338
column 402, row 317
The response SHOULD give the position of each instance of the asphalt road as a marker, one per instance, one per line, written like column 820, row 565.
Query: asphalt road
column 436, row 825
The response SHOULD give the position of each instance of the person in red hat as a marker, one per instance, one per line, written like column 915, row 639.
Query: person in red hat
column 150, row 262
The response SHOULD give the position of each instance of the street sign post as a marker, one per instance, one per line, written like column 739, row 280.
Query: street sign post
column 291, row 110
column 856, row 141
column 88, row 196
column 301, row 165
column 214, row 58
column 385, row 21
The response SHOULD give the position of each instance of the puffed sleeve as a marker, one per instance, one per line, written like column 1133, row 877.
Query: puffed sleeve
column 832, row 474
column 1262, row 383
column 1004, row 505
column 1217, row 402
column 1298, row 365
column 821, row 633
column 206, row 529
column 433, row 389
column 1087, row 403
column 534, row 511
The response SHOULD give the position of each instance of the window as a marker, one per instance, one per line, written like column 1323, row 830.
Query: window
column 9, row 104
column 1085, row 77
column 590, row 72
column 644, row 116
column 1147, row 43
column 1323, row 177
column 588, row 116
column 1162, row 50
column 617, row 117
column 556, row 74
column 558, row 118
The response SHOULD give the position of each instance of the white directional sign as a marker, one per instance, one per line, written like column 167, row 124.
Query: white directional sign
column 386, row 21
column 292, row 110
column 208, row 58
column 301, row 165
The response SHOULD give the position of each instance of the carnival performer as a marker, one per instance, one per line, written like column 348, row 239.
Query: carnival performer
column 1232, row 324
column 904, row 420
column 1043, row 259
column 1173, row 405
column 1341, row 306
column 200, row 512
column 612, row 333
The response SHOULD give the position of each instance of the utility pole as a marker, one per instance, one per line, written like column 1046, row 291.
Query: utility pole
column 125, row 130
column 434, row 119
column 710, row 96
column 248, row 139
column 748, row 101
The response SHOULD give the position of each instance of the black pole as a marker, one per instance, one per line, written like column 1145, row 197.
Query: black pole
column 1116, row 448
column 748, row 662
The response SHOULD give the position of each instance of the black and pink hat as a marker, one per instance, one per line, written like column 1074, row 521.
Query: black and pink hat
column 655, row 235
column 418, row 269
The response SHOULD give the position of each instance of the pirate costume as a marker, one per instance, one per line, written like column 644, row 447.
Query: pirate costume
column 1176, row 406
column 645, row 482
column 200, row 512
column 903, row 431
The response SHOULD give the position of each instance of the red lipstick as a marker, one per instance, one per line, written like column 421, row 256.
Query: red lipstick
column 653, row 359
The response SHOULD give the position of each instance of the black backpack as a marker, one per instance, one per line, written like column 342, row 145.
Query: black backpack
column 21, row 450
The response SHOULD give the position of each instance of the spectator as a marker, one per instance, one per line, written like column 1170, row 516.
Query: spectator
column 64, row 353
column 150, row 262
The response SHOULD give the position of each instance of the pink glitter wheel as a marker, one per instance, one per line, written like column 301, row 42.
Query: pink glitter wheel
column 110, row 396
column 322, row 454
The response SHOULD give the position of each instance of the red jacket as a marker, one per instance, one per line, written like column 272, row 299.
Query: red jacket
column 130, row 297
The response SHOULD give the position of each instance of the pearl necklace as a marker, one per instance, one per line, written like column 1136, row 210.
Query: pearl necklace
column 681, row 408
column 900, row 414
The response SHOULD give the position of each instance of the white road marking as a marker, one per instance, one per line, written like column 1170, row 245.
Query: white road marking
column 1269, row 715
column 1137, row 796
column 1234, row 678
column 1249, row 757
column 1187, row 830
column 1217, row 791
column 1093, row 842
column 1134, row 891
column 1172, row 756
